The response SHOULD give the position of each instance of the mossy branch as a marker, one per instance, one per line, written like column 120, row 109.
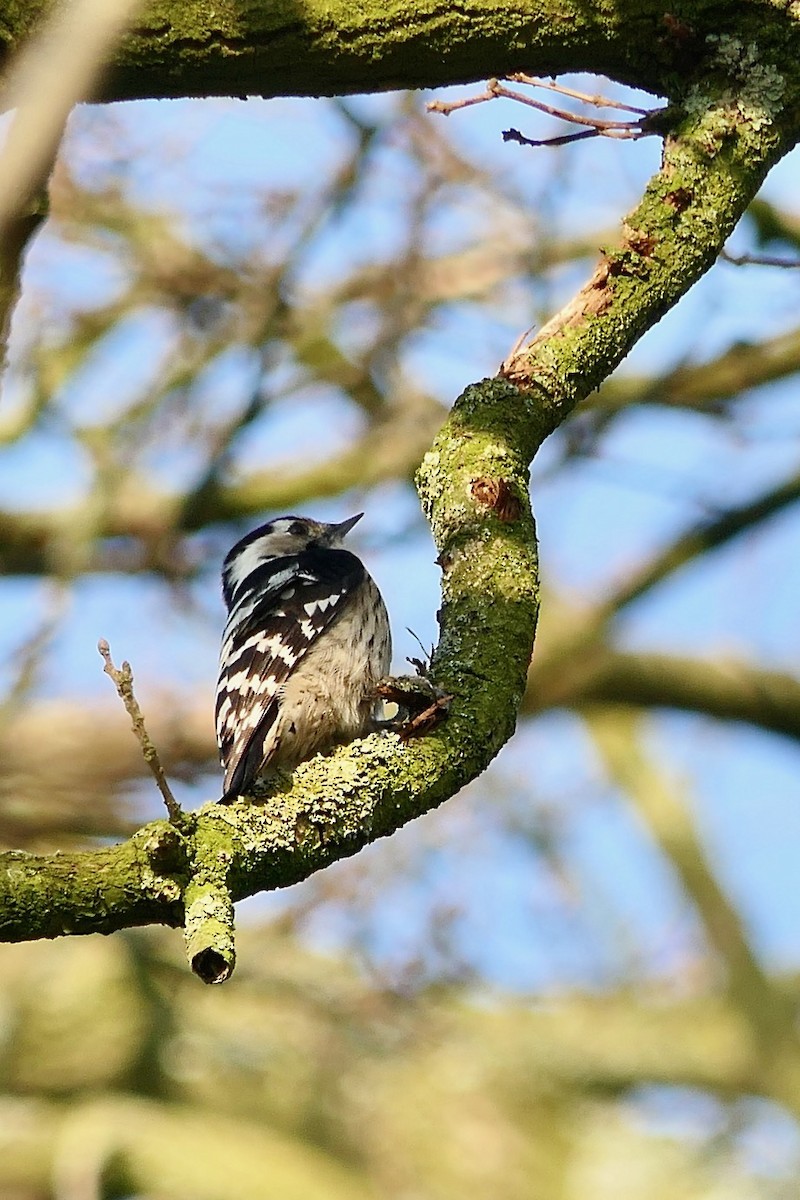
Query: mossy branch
column 334, row 47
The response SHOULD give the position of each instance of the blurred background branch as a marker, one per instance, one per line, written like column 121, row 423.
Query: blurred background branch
column 582, row 978
column 56, row 68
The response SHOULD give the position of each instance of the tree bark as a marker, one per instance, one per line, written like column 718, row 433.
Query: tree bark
column 329, row 47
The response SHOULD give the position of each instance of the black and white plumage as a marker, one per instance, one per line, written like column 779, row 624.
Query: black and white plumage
column 306, row 641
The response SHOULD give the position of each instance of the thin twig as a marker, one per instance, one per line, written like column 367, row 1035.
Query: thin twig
column 761, row 260
column 551, row 111
column 123, row 681
column 597, row 126
column 422, row 665
column 514, row 135
column 445, row 107
column 595, row 101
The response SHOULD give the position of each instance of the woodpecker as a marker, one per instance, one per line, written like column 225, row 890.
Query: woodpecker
column 306, row 641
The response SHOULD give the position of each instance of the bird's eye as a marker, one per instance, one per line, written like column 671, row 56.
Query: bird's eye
column 297, row 528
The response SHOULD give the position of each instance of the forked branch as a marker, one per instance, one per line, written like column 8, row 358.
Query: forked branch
column 650, row 121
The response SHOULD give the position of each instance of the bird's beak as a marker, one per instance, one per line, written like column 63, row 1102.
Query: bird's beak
column 342, row 530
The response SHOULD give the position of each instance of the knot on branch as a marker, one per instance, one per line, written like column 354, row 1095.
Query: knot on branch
column 167, row 850
column 498, row 496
